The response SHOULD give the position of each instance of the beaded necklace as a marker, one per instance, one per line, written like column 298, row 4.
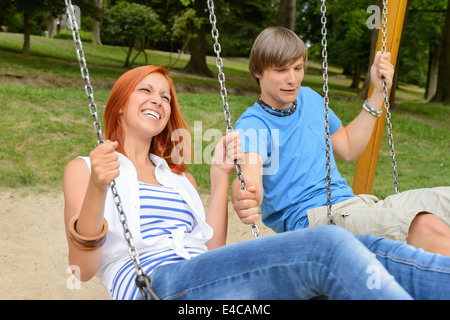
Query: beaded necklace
column 277, row 112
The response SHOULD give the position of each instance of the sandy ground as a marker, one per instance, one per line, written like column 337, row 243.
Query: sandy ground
column 33, row 256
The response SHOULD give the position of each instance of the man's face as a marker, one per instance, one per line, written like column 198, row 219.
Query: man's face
column 280, row 84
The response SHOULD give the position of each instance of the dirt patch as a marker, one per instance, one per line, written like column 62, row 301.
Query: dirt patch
column 48, row 80
column 418, row 118
column 34, row 254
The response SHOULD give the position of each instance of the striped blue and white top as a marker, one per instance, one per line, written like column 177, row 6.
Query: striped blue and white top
column 162, row 213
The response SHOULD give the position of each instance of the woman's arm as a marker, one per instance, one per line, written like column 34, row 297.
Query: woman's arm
column 84, row 196
column 227, row 150
column 217, row 216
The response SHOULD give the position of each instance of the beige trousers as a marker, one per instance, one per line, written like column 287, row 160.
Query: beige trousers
column 391, row 217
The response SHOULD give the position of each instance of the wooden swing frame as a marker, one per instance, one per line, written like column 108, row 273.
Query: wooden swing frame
column 367, row 163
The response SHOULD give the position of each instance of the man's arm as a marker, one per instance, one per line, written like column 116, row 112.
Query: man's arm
column 247, row 202
column 350, row 141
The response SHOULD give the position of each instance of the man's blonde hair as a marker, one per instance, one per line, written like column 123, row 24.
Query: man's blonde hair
column 275, row 46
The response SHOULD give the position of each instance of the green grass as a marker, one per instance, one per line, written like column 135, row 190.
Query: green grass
column 421, row 145
column 41, row 130
column 46, row 122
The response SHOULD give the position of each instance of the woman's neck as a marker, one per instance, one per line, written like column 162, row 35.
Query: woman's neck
column 137, row 152
column 145, row 168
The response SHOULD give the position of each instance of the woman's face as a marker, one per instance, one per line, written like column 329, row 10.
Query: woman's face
column 148, row 109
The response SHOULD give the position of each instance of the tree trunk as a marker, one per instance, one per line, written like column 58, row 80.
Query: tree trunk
column 197, row 46
column 291, row 14
column 392, row 99
column 26, row 31
column 373, row 46
column 51, row 23
column 141, row 48
column 282, row 13
column 443, row 87
column 392, row 102
column 433, row 71
column 286, row 14
column 97, row 21
column 356, row 76
column 129, row 52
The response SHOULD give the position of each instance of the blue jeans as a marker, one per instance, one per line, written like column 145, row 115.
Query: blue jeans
column 425, row 276
column 321, row 261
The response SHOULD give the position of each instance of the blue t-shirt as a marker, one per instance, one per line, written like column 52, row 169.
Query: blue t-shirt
column 294, row 160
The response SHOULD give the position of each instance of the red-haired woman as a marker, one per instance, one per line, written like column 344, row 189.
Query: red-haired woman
column 173, row 235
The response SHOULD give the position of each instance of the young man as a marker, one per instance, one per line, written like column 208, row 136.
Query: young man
column 283, row 137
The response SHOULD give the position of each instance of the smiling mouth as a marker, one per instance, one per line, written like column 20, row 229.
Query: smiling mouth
column 151, row 113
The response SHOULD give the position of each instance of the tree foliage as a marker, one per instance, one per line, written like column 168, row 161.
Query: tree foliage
column 172, row 25
column 182, row 31
column 131, row 25
column 31, row 12
column 424, row 30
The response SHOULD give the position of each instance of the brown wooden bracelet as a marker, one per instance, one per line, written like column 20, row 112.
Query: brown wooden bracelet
column 83, row 242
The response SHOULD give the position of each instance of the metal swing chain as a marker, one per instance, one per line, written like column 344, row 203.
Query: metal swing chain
column 141, row 278
column 223, row 94
column 326, row 100
column 387, row 104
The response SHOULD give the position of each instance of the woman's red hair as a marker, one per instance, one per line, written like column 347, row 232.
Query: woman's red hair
column 162, row 144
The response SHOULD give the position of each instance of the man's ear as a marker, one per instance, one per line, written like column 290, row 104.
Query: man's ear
column 258, row 78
